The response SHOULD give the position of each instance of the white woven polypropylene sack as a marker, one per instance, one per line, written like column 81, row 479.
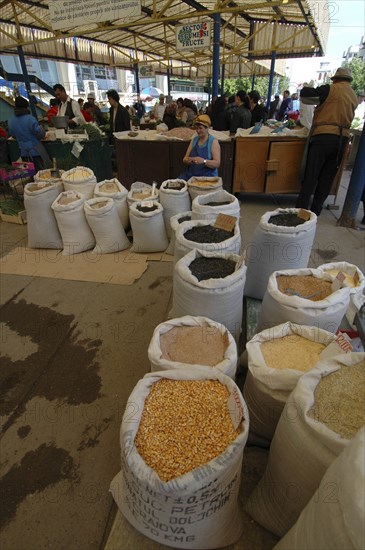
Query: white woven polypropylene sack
column 203, row 185
column 301, row 451
column 151, row 193
column 149, row 233
column 218, row 299
column 198, row 510
column 334, row 517
column 42, row 226
column 275, row 248
column 266, row 390
column 102, row 217
column 209, row 329
column 353, row 271
column 183, row 245
column 278, row 307
column 71, row 220
column 201, row 210
column 45, row 175
column 80, row 179
column 174, row 224
column 107, row 188
column 174, row 201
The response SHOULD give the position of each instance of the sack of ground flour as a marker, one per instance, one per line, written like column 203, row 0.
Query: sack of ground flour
column 193, row 341
column 334, row 517
column 183, row 245
column 277, row 358
column 219, row 298
column 149, row 233
column 46, row 176
column 102, row 217
column 202, row 185
column 42, row 227
column 140, row 191
column 175, row 199
column 113, row 189
column 276, row 246
column 71, row 220
column 207, row 207
column 299, row 307
column 198, row 509
column 175, row 221
column 80, row 179
column 305, row 442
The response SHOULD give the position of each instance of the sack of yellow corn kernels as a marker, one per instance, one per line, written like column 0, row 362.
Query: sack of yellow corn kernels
column 305, row 297
column 182, row 439
column 334, row 517
column 277, row 358
column 321, row 416
column 193, row 341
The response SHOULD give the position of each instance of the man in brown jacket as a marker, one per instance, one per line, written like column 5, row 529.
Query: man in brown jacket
column 328, row 136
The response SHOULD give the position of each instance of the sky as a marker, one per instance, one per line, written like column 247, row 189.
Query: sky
column 347, row 26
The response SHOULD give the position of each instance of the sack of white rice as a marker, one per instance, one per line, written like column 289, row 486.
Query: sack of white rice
column 149, row 233
column 321, row 416
column 80, row 179
column 102, row 217
column 182, row 450
column 282, row 240
column 207, row 207
column 175, row 199
column 193, row 341
column 141, row 191
column 334, row 517
column 113, row 189
column 203, row 185
column 304, row 297
column 42, row 226
column 175, row 221
column 71, row 220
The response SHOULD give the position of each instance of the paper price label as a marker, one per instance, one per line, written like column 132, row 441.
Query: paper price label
column 337, row 283
column 225, row 222
column 174, row 184
column 341, row 344
column 147, row 204
column 304, row 214
column 235, row 408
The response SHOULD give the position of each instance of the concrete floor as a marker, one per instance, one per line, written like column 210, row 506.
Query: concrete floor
column 71, row 354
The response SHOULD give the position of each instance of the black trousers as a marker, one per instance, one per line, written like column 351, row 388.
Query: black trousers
column 324, row 156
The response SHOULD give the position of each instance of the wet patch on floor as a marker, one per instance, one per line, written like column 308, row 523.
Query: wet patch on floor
column 37, row 470
column 159, row 281
column 329, row 254
column 91, row 434
column 23, row 431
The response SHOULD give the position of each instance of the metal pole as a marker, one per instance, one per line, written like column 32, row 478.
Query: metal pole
column 136, row 77
column 209, row 89
column 168, row 83
column 356, row 187
column 216, row 40
column 271, row 78
column 26, row 80
column 222, row 79
column 253, row 82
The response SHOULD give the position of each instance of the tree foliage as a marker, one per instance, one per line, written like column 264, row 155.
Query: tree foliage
column 261, row 84
column 357, row 66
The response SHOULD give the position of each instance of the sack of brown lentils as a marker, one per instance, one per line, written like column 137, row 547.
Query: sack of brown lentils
column 321, row 416
column 334, row 517
column 182, row 439
column 193, row 341
column 304, row 297
column 277, row 358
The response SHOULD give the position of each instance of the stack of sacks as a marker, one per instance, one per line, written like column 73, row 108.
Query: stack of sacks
column 193, row 341
column 207, row 207
column 149, row 233
column 203, row 185
column 80, row 179
column 113, row 189
column 102, row 217
column 175, row 221
column 140, row 191
column 71, row 220
column 42, row 226
column 175, row 199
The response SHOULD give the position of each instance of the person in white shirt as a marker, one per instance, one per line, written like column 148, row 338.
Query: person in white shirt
column 68, row 107
column 159, row 108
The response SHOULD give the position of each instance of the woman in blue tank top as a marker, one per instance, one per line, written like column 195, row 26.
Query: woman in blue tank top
column 203, row 155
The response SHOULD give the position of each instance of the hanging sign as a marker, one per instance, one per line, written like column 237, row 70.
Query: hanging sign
column 146, row 71
column 69, row 13
column 193, row 36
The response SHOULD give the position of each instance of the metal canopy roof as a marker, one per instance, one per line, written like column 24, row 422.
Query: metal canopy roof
column 249, row 32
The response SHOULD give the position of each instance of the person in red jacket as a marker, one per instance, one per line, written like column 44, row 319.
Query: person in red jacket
column 53, row 109
column 87, row 111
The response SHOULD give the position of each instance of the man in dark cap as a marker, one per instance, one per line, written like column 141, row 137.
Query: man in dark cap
column 328, row 136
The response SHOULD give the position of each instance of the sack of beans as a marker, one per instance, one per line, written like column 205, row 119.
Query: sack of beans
column 193, row 341
column 305, row 297
column 80, row 179
column 201, row 185
column 334, row 517
column 211, row 285
column 321, row 416
column 175, row 221
column 46, row 175
column 175, row 199
column 141, row 191
column 113, row 189
column 206, row 237
column 277, row 358
column 207, row 207
column 182, row 439
column 282, row 240
column 102, row 217
column 354, row 279
column 149, row 233
column 42, row 227
column 71, row 220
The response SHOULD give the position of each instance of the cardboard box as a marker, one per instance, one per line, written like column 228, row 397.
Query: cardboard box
column 20, row 218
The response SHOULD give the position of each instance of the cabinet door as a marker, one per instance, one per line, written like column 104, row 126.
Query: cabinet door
column 151, row 161
column 250, row 165
column 125, row 162
column 283, row 167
